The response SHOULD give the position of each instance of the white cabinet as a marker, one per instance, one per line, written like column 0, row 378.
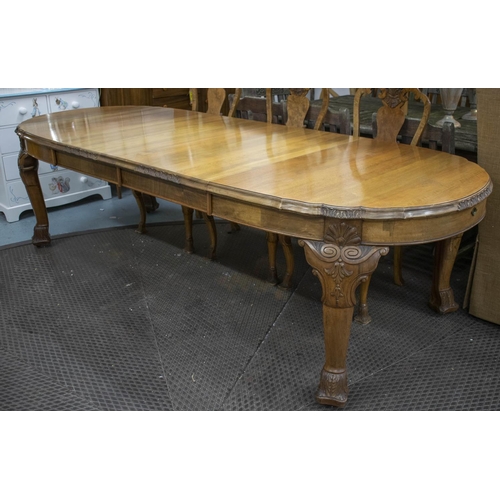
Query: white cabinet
column 59, row 185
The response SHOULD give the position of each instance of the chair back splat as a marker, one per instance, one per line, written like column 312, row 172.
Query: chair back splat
column 391, row 116
column 215, row 101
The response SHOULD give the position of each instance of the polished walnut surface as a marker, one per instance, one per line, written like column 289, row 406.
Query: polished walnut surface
column 298, row 169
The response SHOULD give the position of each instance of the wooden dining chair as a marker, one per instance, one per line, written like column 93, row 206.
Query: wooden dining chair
column 146, row 203
column 390, row 124
column 264, row 109
column 296, row 111
column 299, row 113
column 256, row 109
column 216, row 97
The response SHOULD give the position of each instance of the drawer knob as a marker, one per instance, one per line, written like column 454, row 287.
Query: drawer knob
column 75, row 104
column 84, row 179
column 23, row 111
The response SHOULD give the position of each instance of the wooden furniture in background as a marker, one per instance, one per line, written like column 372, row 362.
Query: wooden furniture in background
column 126, row 97
column 465, row 136
column 437, row 138
column 257, row 109
column 329, row 121
column 293, row 113
column 297, row 114
column 390, row 118
column 216, row 99
column 303, row 186
column 172, row 98
column 203, row 101
column 169, row 97
column 60, row 186
column 302, row 115
column 267, row 110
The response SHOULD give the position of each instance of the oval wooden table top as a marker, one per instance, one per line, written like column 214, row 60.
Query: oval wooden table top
column 294, row 169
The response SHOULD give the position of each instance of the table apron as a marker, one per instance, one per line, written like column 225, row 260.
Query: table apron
column 409, row 231
column 421, row 230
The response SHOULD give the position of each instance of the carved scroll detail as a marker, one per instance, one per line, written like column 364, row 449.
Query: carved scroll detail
column 341, row 263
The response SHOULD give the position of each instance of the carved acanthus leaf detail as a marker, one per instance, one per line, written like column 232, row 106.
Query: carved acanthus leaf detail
column 333, row 386
column 342, row 234
column 340, row 262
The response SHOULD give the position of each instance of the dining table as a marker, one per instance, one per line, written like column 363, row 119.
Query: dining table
column 346, row 200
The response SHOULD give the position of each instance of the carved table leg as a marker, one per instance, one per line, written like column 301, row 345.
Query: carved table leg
column 188, row 226
column 341, row 264
column 286, row 244
column 28, row 169
column 442, row 299
column 212, row 231
column 139, row 198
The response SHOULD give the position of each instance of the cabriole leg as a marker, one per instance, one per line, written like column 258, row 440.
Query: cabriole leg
column 188, row 227
column 442, row 298
column 139, row 198
column 28, row 169
column 212, row 232
column 341, row 264
column 286, row 245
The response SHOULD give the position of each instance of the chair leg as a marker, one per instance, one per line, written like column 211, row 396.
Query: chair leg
column 272, row 246
column 150, row 202
column 286, row 244
column 234, row 227
column 398, row 266
column 212, row 231
column 363, row 317
column 142, row 209
column 188, row 226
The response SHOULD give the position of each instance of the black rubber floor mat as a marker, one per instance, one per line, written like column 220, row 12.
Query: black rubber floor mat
column 116, row 320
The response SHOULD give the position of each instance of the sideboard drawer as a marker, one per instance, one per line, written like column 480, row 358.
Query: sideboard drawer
column 56, row 186
column 15, row 110
column 9, row 141
column 60, row 186
column 73, row 100
column 11, row 169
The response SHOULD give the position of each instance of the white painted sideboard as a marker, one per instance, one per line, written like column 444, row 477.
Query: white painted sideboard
column 59, row 185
